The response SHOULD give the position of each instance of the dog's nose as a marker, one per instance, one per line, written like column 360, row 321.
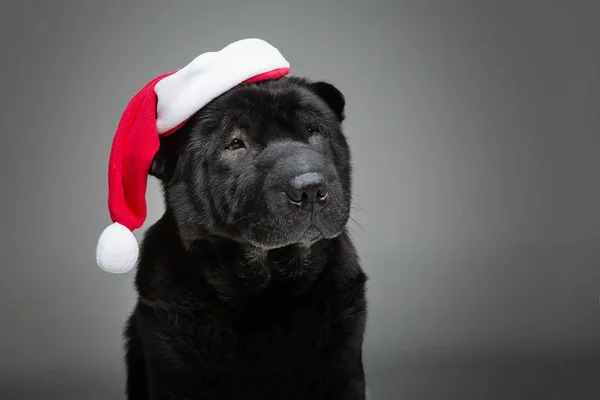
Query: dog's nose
column 307, row 189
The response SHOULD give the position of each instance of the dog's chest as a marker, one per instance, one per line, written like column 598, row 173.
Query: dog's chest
column 261, row 335
column 289, row 345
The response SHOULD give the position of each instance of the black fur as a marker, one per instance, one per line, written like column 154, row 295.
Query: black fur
column 249, row 285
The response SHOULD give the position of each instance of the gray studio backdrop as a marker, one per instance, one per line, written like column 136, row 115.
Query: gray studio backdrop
column 475, row 128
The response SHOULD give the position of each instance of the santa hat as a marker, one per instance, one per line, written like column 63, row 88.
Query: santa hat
column 161, row 107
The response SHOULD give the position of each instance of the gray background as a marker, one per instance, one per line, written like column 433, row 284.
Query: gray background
column 475, row 128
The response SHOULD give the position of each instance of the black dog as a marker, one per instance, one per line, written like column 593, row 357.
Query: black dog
column 249, row 285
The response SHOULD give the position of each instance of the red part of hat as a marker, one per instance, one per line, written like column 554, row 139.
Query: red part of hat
column 135, row 143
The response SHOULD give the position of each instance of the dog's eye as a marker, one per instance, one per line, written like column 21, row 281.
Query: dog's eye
column 311, row 129
column 236, row 144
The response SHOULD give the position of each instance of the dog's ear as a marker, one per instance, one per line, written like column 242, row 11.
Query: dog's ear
column 165, row 160
column 158, row 168
column 163, row 163
column 332, row 96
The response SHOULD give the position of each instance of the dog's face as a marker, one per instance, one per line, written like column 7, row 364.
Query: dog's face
column 265, row 164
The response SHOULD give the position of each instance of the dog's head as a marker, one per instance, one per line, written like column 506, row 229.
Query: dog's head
column 265, row 164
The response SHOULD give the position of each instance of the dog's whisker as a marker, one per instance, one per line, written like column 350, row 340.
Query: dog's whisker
column 357, row 224
column 241, row 218
column 357, row 207
column 253, row 226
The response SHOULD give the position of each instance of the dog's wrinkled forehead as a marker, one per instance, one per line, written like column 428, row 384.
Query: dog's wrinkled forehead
column 267, row 109
column 278, row 97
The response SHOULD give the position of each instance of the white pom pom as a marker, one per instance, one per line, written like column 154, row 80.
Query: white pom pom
column 117, row 249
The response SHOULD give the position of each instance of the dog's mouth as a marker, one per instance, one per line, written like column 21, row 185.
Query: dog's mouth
column 311, row 234
column 304, row 236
